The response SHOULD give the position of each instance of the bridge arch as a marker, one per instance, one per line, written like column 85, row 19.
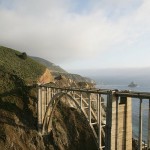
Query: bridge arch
column 109, row 128
column 47, row 121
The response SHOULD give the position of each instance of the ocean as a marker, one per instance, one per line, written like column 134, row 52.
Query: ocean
column 121, row 83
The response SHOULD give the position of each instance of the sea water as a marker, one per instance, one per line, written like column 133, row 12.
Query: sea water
column 122, row 84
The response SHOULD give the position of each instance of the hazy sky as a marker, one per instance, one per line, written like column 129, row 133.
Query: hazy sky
column 79, row 34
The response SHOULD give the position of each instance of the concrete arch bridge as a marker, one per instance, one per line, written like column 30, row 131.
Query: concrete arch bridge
column 114, row 124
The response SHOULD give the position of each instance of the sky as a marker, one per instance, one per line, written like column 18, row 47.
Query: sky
column 79, row 34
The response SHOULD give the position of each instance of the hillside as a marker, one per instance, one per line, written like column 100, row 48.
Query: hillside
column 12, row 62
column 57, row 70
column 18, row 110
column 50, row 65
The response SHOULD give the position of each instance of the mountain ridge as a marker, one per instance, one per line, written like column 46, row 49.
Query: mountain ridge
column 48, row 64
column 57, row 70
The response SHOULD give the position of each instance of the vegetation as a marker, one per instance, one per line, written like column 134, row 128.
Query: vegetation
column 16, row 63
column 23, row 56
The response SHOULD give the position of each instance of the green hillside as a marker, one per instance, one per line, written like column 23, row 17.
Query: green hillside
column 16, row 64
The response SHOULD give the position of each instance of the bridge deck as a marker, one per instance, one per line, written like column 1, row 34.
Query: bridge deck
column 124, row 93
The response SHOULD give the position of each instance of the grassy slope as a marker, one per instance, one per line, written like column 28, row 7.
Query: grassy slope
column 27, row 70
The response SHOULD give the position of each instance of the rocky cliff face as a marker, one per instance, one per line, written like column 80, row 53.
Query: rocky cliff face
column 18, row 120
column 18, row 111
column 18, row 116
column 46, row 77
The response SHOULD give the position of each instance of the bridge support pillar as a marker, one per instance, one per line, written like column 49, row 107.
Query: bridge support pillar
column 118, row 123
column 99, row 120
column 89, row 101
column 44, row 96
column 39, row 109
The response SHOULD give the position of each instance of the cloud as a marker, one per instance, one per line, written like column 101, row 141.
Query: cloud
column 57, row 31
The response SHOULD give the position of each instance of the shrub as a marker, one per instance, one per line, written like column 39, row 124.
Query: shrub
column 23, row 56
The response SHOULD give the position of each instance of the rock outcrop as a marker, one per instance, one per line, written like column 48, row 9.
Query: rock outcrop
column 46, row 77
